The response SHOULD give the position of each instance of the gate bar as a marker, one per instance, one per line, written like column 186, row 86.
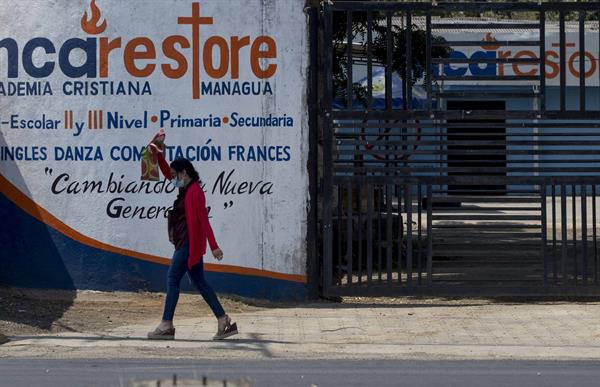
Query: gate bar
column 327, row 149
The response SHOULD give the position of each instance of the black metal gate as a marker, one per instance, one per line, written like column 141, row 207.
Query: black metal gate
column 430, row 196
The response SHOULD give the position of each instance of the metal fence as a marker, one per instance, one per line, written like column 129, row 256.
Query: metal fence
column 459, row 194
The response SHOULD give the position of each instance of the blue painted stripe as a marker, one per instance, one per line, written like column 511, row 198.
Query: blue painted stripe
column 34, row 255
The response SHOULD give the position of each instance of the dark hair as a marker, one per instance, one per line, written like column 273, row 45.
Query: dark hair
column 182, row 164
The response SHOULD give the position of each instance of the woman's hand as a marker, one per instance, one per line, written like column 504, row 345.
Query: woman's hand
column 154, row 148
column 218, row 254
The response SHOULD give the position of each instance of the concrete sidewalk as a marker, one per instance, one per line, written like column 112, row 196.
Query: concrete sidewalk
column 413, row 329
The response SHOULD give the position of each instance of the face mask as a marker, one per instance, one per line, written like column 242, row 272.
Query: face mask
column 179, row 183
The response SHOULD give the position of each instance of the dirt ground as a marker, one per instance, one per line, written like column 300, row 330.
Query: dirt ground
column 31, row 312
column 36, row 312
column 110, row 325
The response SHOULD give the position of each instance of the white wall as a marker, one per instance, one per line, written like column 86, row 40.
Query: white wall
column 259, row 231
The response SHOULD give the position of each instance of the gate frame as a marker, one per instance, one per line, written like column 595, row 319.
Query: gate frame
column 324, row 123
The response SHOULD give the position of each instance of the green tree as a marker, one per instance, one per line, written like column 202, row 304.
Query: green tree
column 379, row 49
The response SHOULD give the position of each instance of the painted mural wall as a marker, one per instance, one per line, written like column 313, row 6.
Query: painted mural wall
column 83, row 88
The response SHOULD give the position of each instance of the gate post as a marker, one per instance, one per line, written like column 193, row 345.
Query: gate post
column 327, row 149
column 313, row 268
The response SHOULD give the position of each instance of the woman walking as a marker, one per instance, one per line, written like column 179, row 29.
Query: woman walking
column 189, row 229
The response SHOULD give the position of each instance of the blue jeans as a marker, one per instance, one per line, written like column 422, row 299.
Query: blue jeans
column 178, row 268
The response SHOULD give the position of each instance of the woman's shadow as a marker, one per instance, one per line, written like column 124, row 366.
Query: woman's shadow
column 29, row 257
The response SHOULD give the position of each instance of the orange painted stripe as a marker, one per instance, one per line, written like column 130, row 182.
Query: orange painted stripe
column 29, row 206
column 95, row 119
column 90, row 119
column 66, row 119
column 254, row 272
column 71, row 116
column 100, row 127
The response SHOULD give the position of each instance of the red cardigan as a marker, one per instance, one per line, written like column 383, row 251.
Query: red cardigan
column 196, row 218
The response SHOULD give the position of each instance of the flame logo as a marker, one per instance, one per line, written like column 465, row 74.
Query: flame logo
column 489, row 38
column 91, row 26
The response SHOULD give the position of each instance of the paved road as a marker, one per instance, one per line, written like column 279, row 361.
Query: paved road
column 40, row 372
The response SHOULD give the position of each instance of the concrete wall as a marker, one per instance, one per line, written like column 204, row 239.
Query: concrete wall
column 99, row 86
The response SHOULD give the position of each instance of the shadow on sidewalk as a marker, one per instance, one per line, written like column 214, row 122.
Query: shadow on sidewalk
column 260, row 345
column 16, row 339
